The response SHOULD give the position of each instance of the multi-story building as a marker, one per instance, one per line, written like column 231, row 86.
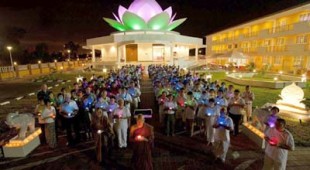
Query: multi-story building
column 280, row 40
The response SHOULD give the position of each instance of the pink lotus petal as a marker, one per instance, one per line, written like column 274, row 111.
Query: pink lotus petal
column 169, row 11
column 117, row 19
column 171, row 20
column 146, row 9
column 121, row 11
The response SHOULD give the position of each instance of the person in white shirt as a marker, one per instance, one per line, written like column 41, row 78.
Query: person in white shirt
column 161, row 100
column 278, row 142
column 220, row 100
column 248, row 97
column 236, row 110
column 49, row 115
column 223, row 124
column 121, row 116
column 190, row 112
column 170, row 107
column 69, row 110
column 210, row 113
column 180, row 113
column 38, row 112
column 125, row 96
column 135, row 94
column 230, row 92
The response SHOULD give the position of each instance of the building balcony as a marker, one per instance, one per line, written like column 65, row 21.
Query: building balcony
column 287, row 50
column 287, row 30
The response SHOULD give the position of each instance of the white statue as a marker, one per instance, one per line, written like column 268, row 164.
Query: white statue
column 21, row 122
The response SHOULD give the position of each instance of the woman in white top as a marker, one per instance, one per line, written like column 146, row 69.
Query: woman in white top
column 48, row 115
column 121, row 116
column 38, row 112
column 223, row 125
column 210, row 113
column 236, row 110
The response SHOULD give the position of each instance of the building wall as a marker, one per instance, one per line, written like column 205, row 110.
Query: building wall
column 145, row 52
column 281, row 40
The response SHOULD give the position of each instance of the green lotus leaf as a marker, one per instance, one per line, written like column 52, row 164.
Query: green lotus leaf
column 115, row 24
column 159, row 21
column 133, row 21
column 175, row 24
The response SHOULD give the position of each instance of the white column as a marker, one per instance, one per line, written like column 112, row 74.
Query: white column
column 102, row 54
column 196, row 53
column 93, row 54
column 118, row 58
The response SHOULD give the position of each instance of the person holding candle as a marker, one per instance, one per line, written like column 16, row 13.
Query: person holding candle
column 202, row 106
column 236, row 110
column 161, row 100
column 272, row 118
column 180, row 113
column 38, row 112
column 210, row 113
column 170, row 108
column 190, row 111
column 248, row 97
column 121, row 116
column 223, row 124
column 141, row 137
column 110, row 109
column 220, row 100
column 135, row 94
column 103, row 134
column 125, row 96
column 278, row 142
column 49, row 115
column 68, row 110
column 230, row 92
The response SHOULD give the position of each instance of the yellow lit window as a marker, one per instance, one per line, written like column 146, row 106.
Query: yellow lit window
column 278, row 60
column 304, row 17
column 298, row 61
column 301, row 39
column 265, row 60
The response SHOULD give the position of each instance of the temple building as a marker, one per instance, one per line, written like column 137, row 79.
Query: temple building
column 145, row 35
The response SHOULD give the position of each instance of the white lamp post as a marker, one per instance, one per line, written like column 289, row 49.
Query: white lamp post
column 10, row 49
column 69, row 52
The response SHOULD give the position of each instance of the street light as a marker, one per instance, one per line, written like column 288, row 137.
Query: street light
column 10, row 49
column 69, row 52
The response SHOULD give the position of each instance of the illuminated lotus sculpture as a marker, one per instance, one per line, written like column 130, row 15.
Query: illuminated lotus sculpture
column 144, row 15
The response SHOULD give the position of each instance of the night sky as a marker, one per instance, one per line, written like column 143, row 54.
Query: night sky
column 58, row 21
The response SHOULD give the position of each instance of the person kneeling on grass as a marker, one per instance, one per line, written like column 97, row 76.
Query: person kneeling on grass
column 223, row 125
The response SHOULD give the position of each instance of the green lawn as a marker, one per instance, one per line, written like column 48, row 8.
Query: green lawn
column 300, row 132
column 262, row 95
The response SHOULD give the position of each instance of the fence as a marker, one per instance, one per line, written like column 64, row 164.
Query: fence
column 20, row 71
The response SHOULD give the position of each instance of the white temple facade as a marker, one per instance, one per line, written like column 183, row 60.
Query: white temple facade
column 145, row 35
column 140, row 46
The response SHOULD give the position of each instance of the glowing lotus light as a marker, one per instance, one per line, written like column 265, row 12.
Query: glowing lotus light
column 144, row 15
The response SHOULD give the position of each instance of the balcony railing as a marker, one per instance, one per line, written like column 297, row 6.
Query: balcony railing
column 281, row 28
column 276, row 48
column 251, row 34
column 249, row 50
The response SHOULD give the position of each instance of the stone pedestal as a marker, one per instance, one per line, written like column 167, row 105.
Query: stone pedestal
column 21, row 148
column 254, row 134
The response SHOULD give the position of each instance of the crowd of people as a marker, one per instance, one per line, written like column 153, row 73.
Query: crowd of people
column 101, row 109
column 98, row 108
column 187, row 100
